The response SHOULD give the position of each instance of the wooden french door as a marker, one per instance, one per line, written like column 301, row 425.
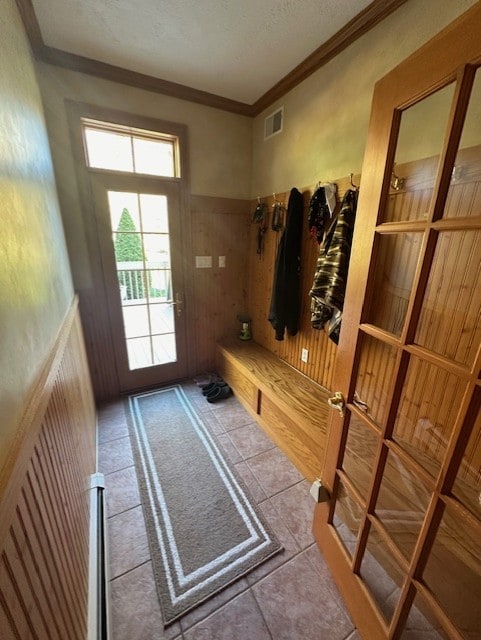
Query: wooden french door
column 140, row 231
column 402, row 529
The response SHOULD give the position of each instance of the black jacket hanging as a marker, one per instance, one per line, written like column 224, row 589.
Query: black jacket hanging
column 285, row 301
column 329, row 286
column 318, row 214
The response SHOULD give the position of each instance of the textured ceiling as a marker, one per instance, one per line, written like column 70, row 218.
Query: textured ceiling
column 237, row 49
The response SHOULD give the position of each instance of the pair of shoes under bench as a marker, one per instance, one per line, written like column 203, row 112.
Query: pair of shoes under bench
column 212, row 386
column 220, row 392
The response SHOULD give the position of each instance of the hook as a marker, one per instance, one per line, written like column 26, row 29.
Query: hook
column 397, row 183
column 457, row 174
column 354, row 186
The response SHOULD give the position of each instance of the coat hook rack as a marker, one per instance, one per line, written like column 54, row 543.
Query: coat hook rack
column 397, row 183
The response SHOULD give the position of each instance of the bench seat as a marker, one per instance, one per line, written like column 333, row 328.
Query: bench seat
column 290, row 407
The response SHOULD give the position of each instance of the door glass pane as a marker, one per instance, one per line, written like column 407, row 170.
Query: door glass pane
column 162, row 318
column 160, row 285
column 419, row 144
column 155, row 217
column 375, row 377
column 402, row 504
column 449, row 322
column 136, row 320
column 359, row 454
column 427, row 411
column 421, row 623
column 156, row 250
column 453, row 573
column 347, row 518
column 164, row 348
column 412, row 201
column 382, row 574
column 139, row 351
column 467, row 486
column 144, row 275
column 393, row 278
column 464, row 197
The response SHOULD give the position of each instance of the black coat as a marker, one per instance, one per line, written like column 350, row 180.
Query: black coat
column 286, row 289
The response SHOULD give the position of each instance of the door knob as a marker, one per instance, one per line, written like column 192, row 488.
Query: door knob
column 337, row 402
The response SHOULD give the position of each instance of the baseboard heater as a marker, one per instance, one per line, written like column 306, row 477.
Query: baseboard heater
column 98, row 613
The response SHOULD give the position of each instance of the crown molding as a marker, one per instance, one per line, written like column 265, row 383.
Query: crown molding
column 363, row 22
column 140, row 81
column 358, row 26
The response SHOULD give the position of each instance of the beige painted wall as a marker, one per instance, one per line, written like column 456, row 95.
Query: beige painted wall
column 326, row 121
column 326, row 117
column 219, row 144
column 35, row 281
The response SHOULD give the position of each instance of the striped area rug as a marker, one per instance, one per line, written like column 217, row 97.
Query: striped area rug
column 204, row 530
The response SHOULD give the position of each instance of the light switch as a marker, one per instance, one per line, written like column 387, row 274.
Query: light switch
column 203, row 262
column 221, row 262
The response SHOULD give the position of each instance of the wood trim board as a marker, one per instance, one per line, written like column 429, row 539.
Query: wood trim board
column 374, row 13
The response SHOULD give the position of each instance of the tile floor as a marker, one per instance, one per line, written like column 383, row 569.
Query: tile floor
column 290, row 597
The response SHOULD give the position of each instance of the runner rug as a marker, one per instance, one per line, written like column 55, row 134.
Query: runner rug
column 204, row 531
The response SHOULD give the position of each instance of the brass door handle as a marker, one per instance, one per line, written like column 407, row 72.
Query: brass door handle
column 337, row 402
column 178, row 304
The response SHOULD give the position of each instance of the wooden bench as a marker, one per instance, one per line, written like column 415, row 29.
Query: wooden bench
column 290, row 407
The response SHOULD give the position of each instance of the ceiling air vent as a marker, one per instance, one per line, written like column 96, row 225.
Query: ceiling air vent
column 273, row 123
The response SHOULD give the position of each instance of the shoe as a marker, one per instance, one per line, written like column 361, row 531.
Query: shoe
column 219, row 394
column 212, row 386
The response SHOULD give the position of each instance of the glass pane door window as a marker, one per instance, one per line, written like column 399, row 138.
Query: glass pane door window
column 140, row 236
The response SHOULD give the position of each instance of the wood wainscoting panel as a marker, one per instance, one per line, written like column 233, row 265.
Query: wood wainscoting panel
column 220, row 228
column 44, row 512
column 98, row 342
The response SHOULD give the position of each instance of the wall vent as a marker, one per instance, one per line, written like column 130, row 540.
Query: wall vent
column 273, row 123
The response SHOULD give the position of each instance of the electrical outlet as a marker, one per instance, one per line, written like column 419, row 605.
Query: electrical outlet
column 304, row 355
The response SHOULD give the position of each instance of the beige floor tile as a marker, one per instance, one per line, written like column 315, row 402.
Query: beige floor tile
column 274, row 471
column 297, row 507
column 296, row 603
column 240, row 619
column 250, row 440
column 231, row 414
column 115, row 455
column 121, row 491
column 127, row 541
column 290, row 546
column 212, row 604
column 256, row 491
column 228, row 448
column 135, row 612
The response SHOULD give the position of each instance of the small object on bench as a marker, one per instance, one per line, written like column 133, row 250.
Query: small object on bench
column 245, row 330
